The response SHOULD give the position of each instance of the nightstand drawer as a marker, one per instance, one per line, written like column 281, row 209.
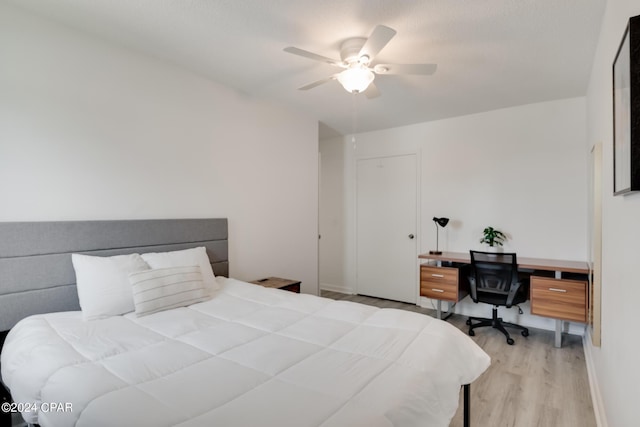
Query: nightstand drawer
column 559, row 298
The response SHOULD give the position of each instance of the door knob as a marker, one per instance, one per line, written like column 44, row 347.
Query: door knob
column 411, row 236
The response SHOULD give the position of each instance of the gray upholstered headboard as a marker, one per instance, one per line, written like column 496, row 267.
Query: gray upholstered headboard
column 36, row 274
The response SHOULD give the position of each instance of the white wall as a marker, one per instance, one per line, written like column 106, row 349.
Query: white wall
column 519, row 169
column 616, row 361
column 89, row 130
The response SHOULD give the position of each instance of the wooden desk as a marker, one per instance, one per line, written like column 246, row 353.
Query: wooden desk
column 557, row 297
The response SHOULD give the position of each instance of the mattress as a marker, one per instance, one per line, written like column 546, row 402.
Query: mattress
column 249, row 356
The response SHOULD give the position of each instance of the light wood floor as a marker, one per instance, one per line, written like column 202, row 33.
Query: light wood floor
column 529, row 384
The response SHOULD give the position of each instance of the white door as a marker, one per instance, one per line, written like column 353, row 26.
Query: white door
column 386, row 204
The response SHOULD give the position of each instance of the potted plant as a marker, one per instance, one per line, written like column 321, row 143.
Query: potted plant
column 494, row 238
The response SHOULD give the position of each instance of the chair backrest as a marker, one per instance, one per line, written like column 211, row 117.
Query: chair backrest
column 494, row 272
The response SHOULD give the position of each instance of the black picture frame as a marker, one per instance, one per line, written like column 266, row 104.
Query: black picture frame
column 626, row 111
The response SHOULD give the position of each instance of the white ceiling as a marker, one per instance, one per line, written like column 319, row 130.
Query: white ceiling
column 490, row 53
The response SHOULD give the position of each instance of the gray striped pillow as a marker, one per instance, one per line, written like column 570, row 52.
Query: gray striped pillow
column 166, row 288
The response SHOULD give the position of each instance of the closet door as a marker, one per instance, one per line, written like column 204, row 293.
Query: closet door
column 386, row 227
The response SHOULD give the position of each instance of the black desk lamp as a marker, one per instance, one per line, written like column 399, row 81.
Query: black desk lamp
column 443, row 223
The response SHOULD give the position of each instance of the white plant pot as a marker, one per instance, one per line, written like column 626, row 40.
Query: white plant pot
column 495, row 249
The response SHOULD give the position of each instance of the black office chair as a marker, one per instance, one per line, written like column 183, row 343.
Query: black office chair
column 494, row 280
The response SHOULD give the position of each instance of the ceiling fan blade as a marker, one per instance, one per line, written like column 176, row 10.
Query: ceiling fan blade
column 421, row 69
column 317, row 83
column 314, row 56
column 372, row 91
column 378, row 39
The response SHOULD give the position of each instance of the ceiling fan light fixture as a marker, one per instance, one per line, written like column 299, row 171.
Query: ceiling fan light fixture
column 356, row 79
column 357, row 59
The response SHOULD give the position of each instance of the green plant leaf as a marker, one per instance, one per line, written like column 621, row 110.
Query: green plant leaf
column 493, row 237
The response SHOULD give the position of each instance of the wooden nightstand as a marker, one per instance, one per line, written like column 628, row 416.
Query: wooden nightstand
column 278, row 283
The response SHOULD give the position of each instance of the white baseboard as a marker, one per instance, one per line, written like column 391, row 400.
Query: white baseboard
column 596, row 397
column 336, row 288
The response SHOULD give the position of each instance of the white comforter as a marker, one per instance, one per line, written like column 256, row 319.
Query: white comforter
column 248, row 357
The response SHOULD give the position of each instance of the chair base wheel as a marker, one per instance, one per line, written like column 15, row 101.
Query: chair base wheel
column 496, row 323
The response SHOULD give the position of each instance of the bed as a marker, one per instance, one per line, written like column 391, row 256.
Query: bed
column 245, row 355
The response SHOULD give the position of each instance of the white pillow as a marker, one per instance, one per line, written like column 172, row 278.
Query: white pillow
column 103, row 283
column 166, row 288
column 187, row 257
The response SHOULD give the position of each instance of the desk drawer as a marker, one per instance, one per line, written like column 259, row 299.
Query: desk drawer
column 559, row 298
column 439, row 283
column 442, row 275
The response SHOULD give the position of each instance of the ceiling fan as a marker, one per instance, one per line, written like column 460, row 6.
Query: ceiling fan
column 357, row 55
